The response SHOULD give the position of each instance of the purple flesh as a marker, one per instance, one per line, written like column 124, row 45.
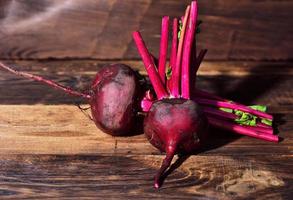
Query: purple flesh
column 175, row 126
column 114, row 102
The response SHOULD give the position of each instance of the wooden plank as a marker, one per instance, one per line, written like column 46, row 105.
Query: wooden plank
column 131, row 177
column 246, row 82
column 63, row 129
column 207, row 68
column 99, row 29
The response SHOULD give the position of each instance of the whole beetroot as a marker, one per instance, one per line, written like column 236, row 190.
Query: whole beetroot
column 175, row 126
column 113, row 97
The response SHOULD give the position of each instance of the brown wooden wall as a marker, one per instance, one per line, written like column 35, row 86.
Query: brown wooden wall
column 101, row 29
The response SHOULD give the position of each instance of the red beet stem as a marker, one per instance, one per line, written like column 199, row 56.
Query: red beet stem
column 223, row 104
column 53, row 84
column 242, row 130
column 215, row 113
column 264, row 125
column 164, row 48
column 150, row 66
column 173, row 50
column 155, row 60
column 146, row 104
column 176, row 73
column 166, row 163
column 189, row 41
column 174, row 44
column 260, row 129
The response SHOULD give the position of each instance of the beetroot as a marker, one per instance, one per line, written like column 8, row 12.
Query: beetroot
column 113, row 97
column 175, row 126
column 175, row 122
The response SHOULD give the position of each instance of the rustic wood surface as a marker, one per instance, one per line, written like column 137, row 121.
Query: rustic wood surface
column 101, row 29
column 49, row 149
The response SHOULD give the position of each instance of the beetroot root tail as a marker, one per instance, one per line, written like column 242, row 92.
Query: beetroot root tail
column 53, row 84
column 165, row 165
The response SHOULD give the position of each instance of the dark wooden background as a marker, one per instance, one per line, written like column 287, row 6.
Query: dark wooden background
column 101, row 29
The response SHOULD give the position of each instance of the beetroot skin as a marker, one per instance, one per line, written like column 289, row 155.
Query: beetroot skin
column 114, row 99
column 175, row 126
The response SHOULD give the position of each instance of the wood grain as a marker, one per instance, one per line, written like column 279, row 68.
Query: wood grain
column 99, row 29
column 131, row 177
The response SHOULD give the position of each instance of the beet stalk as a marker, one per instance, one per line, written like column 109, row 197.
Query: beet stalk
column 186, row 58
column 150, row 66
column 222, row 104
column 173, row 53
column 164, row 48
column 218, row 114
column 174, row 44
column 176, row 72
column 242, row 130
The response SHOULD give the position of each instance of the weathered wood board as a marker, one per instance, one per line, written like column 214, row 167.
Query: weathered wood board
column 101, row 29
column 130, row 177
column 246, row 82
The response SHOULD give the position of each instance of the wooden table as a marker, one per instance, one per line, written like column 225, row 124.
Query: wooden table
column 49, row 149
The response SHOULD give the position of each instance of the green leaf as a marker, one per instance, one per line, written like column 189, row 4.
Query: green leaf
column 253, row 121
column 228, row 110
column 242, row 122
column 245, row 118
column 261, row 108
column 168, row 73
column 267, row 122
column 238, row 113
